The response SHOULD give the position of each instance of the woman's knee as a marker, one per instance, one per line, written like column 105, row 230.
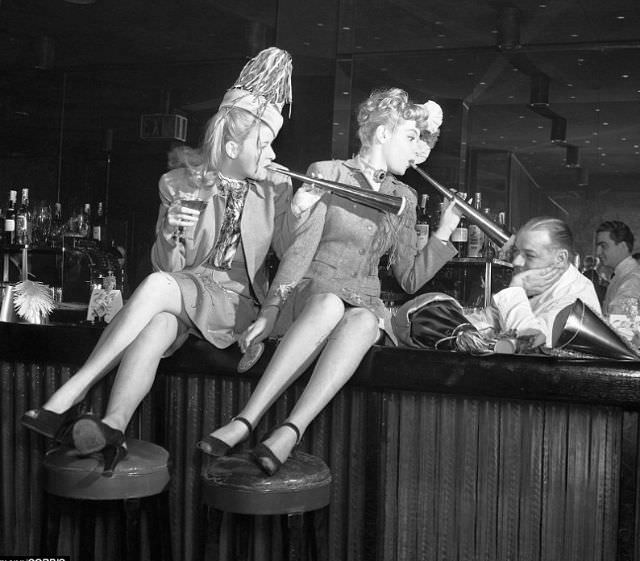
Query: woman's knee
column 328, row 303
column 364, row 320
column 157, row 282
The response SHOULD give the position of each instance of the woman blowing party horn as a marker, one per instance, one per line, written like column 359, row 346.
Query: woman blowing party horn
column 329, row 280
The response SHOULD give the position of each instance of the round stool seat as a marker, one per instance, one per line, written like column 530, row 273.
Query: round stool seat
column 143, row 473
column 236, row 484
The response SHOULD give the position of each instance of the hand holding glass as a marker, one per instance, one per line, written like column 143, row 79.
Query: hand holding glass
column 188, row 206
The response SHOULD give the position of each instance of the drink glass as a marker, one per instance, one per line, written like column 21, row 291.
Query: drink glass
column 42, row 223
column 195, row 200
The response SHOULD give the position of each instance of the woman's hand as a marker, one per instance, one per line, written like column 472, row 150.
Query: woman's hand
column 179, row 216
column 449, row 220
column 260, row 329
column 307, row 196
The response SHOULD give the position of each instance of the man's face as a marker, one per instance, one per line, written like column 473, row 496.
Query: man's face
column 401, row 147
column 610, row 252
column 533, row 250
column 255, row 153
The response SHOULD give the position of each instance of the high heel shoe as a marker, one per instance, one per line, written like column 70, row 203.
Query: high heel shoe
column 112, row 454
column 52, row 425
column 91, row 435
column 215, row 447
column 264, row 456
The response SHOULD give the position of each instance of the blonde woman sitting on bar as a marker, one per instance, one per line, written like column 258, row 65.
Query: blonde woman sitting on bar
column 214, row 260
column 331, row 283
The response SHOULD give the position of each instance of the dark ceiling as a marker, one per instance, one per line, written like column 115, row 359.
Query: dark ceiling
column 577, row 60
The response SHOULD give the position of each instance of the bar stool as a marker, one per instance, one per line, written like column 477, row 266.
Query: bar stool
column 235, row 484
column 138, row 482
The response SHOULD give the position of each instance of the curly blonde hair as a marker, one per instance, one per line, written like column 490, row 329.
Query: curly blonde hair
column 388, row 107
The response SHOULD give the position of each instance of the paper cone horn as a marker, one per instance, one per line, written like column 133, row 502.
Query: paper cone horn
column 579, row 328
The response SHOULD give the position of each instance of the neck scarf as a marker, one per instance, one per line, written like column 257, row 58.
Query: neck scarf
column 229, row 235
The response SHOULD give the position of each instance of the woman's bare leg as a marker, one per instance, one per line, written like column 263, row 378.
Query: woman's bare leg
column 340, row 358
column 159, row 292
column 297, row 350
column 138, row 368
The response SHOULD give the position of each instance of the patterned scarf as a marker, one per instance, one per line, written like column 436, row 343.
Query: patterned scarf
column 227, row 244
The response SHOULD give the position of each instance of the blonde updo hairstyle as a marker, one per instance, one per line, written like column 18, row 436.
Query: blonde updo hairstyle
column 227, row 124
column 387, row 108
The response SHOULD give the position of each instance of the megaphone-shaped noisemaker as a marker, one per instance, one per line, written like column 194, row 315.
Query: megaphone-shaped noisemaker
column 578, row 328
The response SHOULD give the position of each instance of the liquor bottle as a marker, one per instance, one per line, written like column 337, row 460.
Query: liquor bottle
column 84, row 222
column 490, row 248
column 476, row 235
column 10, row 219
column 460, row 236
column 422, row 222
column 23, row 220
column 98, row 223
column 57, row 224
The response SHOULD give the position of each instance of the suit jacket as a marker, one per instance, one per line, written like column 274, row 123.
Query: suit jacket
column 266, row 222
column 625, row 284
column 339, row 248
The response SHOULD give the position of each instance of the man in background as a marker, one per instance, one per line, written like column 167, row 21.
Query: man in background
column 614, row 246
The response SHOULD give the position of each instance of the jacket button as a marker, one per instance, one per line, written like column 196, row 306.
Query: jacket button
column 369, row 227
column 361, row 251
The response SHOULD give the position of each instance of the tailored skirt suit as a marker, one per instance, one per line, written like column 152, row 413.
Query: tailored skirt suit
column 220, row 304
column 339, row 249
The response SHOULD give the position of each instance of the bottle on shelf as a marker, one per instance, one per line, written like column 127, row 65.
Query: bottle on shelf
column 476, row 235
column 422, row 222
column 84, row 222
column 57, row 224
column 460, row 236
column 490, row 249
column 98, row 223
column 23, row 220
column 10, row 219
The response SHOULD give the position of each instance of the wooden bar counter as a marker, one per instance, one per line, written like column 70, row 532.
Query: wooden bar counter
column 435, row 456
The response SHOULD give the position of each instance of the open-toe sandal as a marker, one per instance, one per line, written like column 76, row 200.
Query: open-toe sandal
column 52, row 425
column 91, row 435
column 216, row 447
column 264, row 456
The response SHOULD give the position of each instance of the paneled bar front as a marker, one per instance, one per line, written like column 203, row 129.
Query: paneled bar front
column 434, row 455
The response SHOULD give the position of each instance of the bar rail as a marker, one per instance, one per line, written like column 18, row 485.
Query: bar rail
column 434, row 455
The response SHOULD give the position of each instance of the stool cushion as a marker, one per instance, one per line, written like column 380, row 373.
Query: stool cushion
column 144, row 472
column 236, row 484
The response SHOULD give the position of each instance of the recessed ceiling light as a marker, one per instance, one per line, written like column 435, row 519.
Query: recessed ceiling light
column 569, row 85
column 580, row 60
column 306, row 43
column 336, row 124
column 345, row 28
column 624, row 139
column 520, row 116
column 345, row 93
column 540, row 127
column 320, row 24
column 441, row 35
column 587, row 141
column 574, row 35
column 624, row 76
column 605, row 124
column 597, row 109
column 619, row 17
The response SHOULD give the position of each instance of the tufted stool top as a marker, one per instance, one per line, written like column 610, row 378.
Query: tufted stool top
column 144, row 472
column 236, row 484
